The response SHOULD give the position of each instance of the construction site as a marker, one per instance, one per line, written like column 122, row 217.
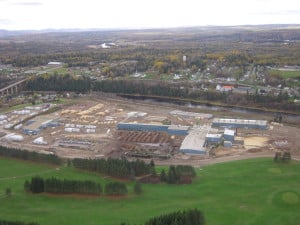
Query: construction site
column 92, row 128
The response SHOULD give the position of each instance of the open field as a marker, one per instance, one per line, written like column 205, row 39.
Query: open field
column 255, row 191
column 285, row 74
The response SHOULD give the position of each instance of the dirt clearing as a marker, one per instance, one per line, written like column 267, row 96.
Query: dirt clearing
column 255, row 142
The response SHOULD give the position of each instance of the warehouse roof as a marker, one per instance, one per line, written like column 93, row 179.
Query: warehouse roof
column 213, row 135
column 179, row 127
column 194, row 140
column 191, row 114
column 229, row 132
column 240, row 121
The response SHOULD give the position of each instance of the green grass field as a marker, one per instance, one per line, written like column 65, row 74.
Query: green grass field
column 255, row 191
column 286, row 74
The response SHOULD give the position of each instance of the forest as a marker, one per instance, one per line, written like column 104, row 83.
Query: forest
column 180, row 174
column 30, row 156
column 57, row 186
column 197, row 54
column 190, row 217
column 119, row 168
column 158, row 49
column 163, row 91
column 5, row 222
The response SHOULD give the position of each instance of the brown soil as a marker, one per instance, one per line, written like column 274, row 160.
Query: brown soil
column 106, row 144
column 255, row 142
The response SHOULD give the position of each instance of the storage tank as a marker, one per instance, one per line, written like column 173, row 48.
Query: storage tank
column 39, row 141
column 14, row 137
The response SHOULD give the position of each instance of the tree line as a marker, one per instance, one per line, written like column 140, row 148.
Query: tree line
column 162, row 89
column 59, row 83
column 185, row 217
column 121, row 168
column 167, row 90
column 284, row 157
column 30, row 156
column 116, row 188
column 6, row 222
column 58, row 186
column 178, row 174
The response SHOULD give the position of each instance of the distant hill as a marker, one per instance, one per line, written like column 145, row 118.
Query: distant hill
column 7, row 33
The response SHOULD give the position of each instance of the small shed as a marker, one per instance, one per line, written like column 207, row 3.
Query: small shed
column 227, row 144
column 214, row 138
column 229, row 135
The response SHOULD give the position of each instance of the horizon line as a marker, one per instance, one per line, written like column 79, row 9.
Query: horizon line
column 147, row 28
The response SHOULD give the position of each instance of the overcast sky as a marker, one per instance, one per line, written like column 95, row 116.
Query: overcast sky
column 57, row 14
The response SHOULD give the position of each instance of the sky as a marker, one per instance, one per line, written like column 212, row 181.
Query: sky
column 85, row 14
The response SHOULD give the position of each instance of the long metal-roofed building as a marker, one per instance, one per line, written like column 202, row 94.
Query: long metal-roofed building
column 170, row 129
column 191, row 114
column 240, row 123
column 34, row 126
column 143, row 127
column 178, row 130
column 194, row 142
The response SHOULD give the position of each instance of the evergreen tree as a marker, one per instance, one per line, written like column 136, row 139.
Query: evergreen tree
column 54, row 185
column 163, row 177
column 30, row 156
column 277, row 157
column 27, row 186
column 286, row 157
column 8, row 192
column 152, row 165
column 138, row 188
column 5, row 222
column 115, row 188
column 172, row 176
column 37, row 185
column 114, row 167
column 132, row 174
column 188, row 217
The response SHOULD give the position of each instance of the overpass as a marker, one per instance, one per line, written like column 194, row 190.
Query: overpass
column 14, row 88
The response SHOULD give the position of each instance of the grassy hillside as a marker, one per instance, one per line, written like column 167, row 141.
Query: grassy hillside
column 255, row 191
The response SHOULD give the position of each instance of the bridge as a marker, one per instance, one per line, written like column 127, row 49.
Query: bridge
column 14, row 88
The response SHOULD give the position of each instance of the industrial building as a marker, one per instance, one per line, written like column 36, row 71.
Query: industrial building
column 143, row 127
column 240, row 123
column 178, row 130
column 213, row 138
column 229, row 135
column 34, row 126
column 194, row 142
column 227, row 144
column 191, row 114
column 170, row 129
